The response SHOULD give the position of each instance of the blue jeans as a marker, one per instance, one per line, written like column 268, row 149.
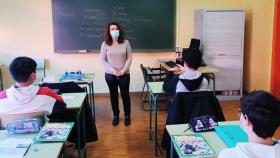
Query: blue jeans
column 113, row 83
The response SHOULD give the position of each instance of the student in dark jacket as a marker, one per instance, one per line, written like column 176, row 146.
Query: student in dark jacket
column 186, row 78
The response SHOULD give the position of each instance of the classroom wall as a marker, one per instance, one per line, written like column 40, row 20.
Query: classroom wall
column 26, row 29
column 258, row 44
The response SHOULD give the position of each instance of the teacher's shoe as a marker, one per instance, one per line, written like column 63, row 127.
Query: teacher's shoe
column 115, row 121
column 127, row 120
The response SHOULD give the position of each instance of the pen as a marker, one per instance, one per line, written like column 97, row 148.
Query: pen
column 27, row 149
column 189, row 127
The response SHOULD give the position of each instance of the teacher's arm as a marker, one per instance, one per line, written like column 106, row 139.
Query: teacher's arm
column 128, row 57
column 104, row 60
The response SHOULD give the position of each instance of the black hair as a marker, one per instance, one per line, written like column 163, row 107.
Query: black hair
column 192, row 57
column 21, row 68
column 263, row 111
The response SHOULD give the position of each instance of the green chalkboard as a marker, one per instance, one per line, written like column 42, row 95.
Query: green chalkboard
column 149, row 25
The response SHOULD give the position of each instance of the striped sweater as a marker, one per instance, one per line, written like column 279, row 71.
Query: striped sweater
column 116, row 57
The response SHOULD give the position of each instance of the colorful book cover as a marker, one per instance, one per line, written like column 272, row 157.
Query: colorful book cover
column 231, row 134
column 54, row 131
column 192, row 145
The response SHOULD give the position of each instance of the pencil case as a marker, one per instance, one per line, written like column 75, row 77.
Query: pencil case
column 27, row 125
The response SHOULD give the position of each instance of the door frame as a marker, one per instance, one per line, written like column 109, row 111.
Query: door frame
column 275, row 76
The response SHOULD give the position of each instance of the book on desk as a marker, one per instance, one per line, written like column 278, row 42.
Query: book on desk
column 54, row 131
column 192, row 145
column 231, row 134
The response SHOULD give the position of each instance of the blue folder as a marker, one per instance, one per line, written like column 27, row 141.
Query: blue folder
column 231, row 134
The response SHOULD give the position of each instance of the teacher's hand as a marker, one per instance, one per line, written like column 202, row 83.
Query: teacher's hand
column 118, row 73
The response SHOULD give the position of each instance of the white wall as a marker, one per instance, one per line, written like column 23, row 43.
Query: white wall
column 26, row 29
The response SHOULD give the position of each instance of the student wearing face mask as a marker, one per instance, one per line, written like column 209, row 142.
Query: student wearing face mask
column 116, row 59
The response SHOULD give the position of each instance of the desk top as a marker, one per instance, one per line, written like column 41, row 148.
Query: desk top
column 156, row 87
column 211, row 137
column 74, row 100
column 202, row 69
column 37, row 149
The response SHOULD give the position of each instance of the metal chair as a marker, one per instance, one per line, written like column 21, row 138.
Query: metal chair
column 41, row 66
column 150, row 75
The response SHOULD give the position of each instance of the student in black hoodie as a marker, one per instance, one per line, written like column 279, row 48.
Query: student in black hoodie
column 186, row 78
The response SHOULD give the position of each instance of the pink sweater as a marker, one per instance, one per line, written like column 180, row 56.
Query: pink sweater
column 116, row 57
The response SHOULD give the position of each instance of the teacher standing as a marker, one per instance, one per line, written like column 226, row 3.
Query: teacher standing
column 116, row 60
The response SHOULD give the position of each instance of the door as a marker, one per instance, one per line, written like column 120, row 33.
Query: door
column 275, row 75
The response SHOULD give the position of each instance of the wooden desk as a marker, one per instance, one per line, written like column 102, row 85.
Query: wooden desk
column 75, row 102
column 1, row 77
column 210, row 71
column 211, row 137
column 37, row 149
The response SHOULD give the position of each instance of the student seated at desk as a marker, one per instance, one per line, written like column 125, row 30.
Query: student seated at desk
column 259, row 117
column 186, row 78
column 24, row 97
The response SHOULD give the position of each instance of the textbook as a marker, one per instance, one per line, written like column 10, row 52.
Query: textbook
column 192, row 145
column 231, row 134
column 54, row 131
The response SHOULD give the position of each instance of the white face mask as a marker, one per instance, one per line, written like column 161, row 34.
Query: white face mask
column 115, row 34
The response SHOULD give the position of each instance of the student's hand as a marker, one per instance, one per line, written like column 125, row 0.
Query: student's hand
column 176, row 55
column 178, row 69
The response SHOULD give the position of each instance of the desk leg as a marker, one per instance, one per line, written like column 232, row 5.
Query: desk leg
column 157, row 145
column 171, row 149
column 151, row 117
column 214, row 83
column 92, row 100
column 1, row 80
column 82, row 152
column 155, row 110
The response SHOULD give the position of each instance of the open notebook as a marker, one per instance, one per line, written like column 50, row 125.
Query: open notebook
column 14, row 147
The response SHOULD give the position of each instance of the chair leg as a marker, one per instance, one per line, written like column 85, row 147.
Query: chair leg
column 141, row 99
column 145, row 100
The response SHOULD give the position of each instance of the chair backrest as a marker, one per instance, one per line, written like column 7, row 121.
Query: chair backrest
column 195, row 43
column 188, row 105
column 41, row 66
column 6, row 118
column 152, row 74
column 144, row 73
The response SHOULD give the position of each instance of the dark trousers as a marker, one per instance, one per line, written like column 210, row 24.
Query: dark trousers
column 113, row 83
